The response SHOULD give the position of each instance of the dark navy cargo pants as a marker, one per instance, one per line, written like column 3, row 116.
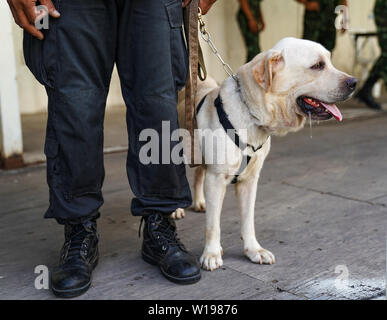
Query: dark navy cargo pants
column 75, row 62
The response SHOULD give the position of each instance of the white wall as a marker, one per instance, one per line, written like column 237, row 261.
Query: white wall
column 11, row 144
column 283, row 18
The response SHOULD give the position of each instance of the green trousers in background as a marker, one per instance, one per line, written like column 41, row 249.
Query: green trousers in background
column 379, row 70
column 319, row 26
column 251, row 39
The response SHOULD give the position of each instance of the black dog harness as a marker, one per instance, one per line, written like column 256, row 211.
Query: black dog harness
column 231, row 132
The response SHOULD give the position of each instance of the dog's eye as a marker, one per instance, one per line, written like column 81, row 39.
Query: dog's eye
column 318, row 66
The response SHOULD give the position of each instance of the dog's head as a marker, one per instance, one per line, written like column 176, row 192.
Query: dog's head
column 296, row 78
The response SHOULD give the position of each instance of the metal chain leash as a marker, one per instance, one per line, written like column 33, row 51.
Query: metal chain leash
column 207, row 38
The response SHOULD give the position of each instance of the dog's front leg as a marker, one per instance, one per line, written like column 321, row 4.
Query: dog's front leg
column 246, row 192
column 214, row 189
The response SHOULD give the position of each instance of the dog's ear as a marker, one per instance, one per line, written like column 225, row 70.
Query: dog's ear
column 268, row 63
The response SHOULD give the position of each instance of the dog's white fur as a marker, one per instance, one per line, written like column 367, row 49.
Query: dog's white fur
column 265, row 105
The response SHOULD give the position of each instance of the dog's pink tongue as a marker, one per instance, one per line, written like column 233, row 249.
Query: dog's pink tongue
column 333, row 110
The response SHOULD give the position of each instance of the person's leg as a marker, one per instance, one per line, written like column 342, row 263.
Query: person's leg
column 152, row 64
column 251, row 40
column 75, row 62
column 319, row 29
column 253, row 48
column 382, row 62
column 78, row 53
column 379, row 70
column 327, row 20
column 380, row 14
column 365, row 93
column 327, row 36
column 311, row 26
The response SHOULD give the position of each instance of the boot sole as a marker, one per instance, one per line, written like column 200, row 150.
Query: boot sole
column 187, row 280
column 76, row 292
column 71, row 293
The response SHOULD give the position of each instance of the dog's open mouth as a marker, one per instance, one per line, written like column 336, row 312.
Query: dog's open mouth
column 319, row 110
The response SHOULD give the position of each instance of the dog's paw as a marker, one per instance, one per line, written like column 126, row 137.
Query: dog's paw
column 261, row 256
column 200, row 206
column 211, row 260
column 178, row 214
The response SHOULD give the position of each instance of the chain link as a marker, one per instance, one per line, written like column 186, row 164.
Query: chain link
column 207, row 38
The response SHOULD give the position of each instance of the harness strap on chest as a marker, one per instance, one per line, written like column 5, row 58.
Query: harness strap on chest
column 226, row 124
column 200, row 104
column 231, row 132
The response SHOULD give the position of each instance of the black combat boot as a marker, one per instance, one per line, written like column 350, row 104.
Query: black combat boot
column 79, row 256
column 162, row 247
column 365, row 94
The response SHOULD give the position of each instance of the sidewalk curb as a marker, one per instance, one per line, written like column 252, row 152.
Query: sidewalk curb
column 349, row 115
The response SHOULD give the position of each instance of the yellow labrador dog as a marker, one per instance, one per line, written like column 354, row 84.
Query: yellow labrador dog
column 271, row 95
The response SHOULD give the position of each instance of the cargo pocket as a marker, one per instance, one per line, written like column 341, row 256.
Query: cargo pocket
column 179, row 56
column 57, row 174
column 51, row 150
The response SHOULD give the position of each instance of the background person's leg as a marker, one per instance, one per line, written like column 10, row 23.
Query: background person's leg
column 253, row 48
column 75, row 63
column 251, row 39
column 379, row 70
column 327, row 35
column 381, row 64
column 311, row 26
column 380, row 13
column 152, row 64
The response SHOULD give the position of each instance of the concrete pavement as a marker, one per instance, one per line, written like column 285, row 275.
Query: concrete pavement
column 321, row 209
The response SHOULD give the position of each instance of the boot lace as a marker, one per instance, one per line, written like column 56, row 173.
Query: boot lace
column 75, row 244
column 165, row 232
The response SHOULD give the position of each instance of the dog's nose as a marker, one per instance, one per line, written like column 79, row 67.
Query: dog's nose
column 351, row 83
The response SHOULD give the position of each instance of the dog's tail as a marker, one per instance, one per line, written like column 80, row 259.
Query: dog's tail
column 204, row 87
